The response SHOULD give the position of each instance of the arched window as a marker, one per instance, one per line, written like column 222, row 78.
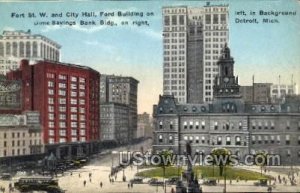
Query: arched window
column 237, row 140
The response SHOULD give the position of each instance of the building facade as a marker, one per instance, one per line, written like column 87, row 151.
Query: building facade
column 278, row 92
column 144, row 126
column 20, row 135
column 257, row 93
column 121, row 90
column 114, row 123
column 243, row 128
column 17, row 45
column 67, row 97
column 192, row 41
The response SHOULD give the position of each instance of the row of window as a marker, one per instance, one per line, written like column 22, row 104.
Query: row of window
column 63, row 124
column 63, row 132
column 64, row 109
column 18, row 134
column 64, row 140
column 51, row 116
column 64, row 77
column 19, row 143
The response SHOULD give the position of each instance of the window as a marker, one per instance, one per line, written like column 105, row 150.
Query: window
column 51, row 140
column 61, row 85
column 81, row 110
column 278, row 139
column 62, row 116
column 62, row 101
column 50, row 100
column 228, row 141
column 81, row 101
column 73, row 79
column 50, row 84
column 191, row 125
column 62, row 140
column 160, row 125
column 73, row 86
column 287, row 125
column 81, row 87
column 237, row 140
column 203, row 124
column 167, row 20
column 171, row 125
column 62, row 92
column 73, row 117
column 191, row 139
column 298, row 140
column 197, row 124
column 51, row 132
column 160, row 139
column 81, row 94
column 185, row 125
column 50, row 91
column 62, row 109
column 73, row 101
column 82, row 125
column 62, row 77
column 51, row 116
column 82, row 80
column 73, row 124
column 202, row 139
column 253, row 125
column 50, row 108
column 82, row 132
column 73, row 94
column 287, row 139
column 62, row 124
column 266, row 139
column 219, row 140
column 62, row 132
column 240, row 125
column 170, row 139
column 197, row 139
column 51, row 124
column 216, row 125
column 74, row 109
column 253, row 139
column 272, row 139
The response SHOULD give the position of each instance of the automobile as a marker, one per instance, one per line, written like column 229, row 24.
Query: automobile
column 155, row 182
column 261, row 182
column 210, row 182
column 136, row 181
column 172, row 181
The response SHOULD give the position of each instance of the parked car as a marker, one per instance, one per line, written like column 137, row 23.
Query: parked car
column 172, row 181
column 155, row 182
column 210, row 182
column 261, row 182
column 136, row 181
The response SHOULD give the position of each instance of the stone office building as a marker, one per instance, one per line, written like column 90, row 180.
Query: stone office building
column 229, row 122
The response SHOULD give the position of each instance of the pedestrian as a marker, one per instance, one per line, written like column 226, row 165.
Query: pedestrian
column 91, row 180
column 71, row 173
column 172, row 190
column 84, row 183
column 101, row 184
column 79, row 175
column 131, row 185
column 128, row 186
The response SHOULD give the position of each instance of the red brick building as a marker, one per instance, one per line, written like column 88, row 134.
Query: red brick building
column 67, row 97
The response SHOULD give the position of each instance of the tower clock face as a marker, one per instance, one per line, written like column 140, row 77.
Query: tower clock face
column 226, row 79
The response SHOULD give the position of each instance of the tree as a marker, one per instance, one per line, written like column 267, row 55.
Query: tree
column 221, row 158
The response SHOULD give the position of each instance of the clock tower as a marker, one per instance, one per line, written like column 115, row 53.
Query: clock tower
column 226, row 84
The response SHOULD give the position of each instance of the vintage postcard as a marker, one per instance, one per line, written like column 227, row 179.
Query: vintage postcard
column 150, row 96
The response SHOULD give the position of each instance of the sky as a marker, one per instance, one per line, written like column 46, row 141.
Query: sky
column 263, row 50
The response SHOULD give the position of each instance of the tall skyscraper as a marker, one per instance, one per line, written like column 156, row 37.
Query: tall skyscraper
column 17, row 45
column 121, row 90
column 192, row 41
